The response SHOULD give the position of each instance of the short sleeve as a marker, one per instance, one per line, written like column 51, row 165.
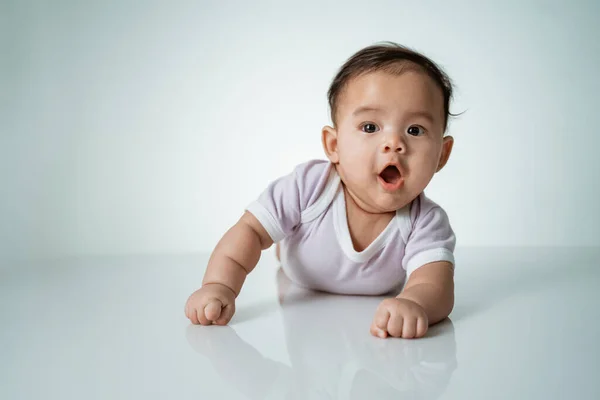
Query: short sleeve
column 279, row 208
column 432, row 239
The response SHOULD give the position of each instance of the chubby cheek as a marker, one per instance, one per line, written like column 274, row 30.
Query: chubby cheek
column 349, row 145
column 355, row 159
column 422, row 172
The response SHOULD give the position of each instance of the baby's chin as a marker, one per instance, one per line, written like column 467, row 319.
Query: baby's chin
column 393, row 207
column 374, row 200
column 387, row 203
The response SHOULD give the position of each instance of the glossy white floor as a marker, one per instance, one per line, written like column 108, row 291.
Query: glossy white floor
column 525, row 326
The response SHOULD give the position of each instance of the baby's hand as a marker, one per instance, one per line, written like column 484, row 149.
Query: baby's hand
column 399, row 318
column 213, row 303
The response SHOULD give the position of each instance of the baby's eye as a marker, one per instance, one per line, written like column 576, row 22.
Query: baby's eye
column 415, row 130
column 369, row 128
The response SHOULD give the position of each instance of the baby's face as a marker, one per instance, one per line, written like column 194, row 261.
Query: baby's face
column 386, row 119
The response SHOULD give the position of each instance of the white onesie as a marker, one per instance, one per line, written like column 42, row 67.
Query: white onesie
column 306, row 212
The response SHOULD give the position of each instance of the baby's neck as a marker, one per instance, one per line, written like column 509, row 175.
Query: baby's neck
column 364, row 226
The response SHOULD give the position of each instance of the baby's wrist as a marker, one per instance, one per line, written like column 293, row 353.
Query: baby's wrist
column 204, row 284
column 401, row 296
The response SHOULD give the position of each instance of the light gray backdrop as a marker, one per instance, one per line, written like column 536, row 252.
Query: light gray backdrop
column 147, row 127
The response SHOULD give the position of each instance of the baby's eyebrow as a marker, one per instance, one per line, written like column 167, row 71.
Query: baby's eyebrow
column 412, row 114
column 365, row 109
column 422, row 114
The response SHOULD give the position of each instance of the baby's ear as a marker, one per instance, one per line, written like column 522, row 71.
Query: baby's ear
column 330, row 144
column 447, row 144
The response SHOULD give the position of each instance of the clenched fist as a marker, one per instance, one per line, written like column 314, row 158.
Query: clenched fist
column 399, row 318
column 213, row 303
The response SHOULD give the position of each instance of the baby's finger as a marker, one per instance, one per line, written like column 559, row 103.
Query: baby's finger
column 382, row 317
column 395, row 326
column 189, row 311
column 226, row 314
column 375, row 331
column 201, row 317
column 378, row 327
column 422, row 326
column 213, row 310
column 193, row 316
column 409, row 329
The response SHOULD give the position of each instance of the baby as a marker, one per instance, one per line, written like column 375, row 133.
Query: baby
column 359, row 224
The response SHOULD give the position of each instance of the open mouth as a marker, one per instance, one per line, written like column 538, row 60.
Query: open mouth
column 391, row 178
column 390, row 174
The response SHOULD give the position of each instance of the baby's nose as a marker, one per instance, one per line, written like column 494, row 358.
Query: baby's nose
column 393, row 145
column 389, row 148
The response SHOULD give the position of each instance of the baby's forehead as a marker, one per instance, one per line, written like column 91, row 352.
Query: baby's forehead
column 411, row 88
column 409, row 78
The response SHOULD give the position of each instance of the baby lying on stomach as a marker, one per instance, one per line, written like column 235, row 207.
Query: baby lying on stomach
column 360, row 222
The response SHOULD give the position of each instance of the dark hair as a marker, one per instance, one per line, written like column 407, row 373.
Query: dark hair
column 390, row 57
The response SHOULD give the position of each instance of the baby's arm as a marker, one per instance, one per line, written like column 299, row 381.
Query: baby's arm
column 272, row 217
column 237, row 253
column 427, row 298
column 432, row 287
column 234, row 257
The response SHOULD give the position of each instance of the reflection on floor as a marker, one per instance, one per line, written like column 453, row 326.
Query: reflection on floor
column 524, row 326
column 330, row 354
